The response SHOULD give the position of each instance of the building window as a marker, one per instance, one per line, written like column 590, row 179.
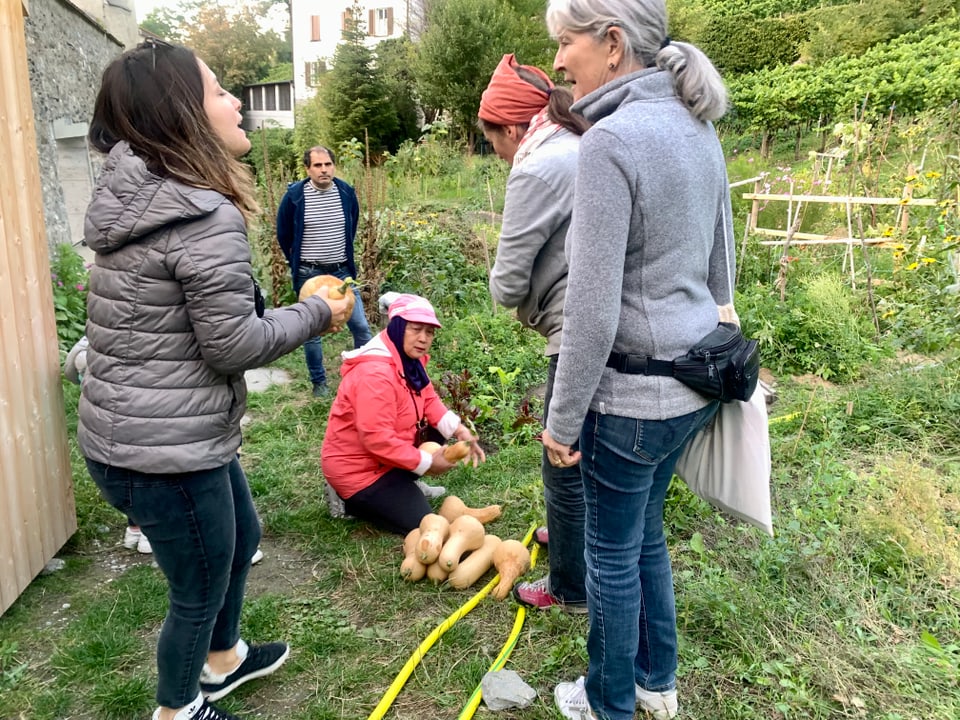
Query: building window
column 284, row 99
column 380, row 22
column 314, row 28
column 257, row 103
column 312, row 70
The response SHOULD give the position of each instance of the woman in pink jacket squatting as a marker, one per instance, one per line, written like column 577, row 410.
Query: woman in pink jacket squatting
column 385, row 408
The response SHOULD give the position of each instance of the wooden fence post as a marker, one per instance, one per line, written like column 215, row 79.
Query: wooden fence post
column 37, row 513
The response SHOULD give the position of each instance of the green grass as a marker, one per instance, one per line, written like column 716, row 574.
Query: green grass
column 850, row 611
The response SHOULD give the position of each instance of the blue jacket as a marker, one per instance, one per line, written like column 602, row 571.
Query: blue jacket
column 290, row 223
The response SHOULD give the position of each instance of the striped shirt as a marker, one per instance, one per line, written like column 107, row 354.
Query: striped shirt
column 324, row 229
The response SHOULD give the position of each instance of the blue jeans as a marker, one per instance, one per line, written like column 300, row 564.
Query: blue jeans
column 359, row 328
column 203, row 529
column 627, row 465
column 563, row 493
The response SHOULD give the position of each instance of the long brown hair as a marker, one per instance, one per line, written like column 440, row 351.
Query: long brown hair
column 559, row 101
column 152, row 98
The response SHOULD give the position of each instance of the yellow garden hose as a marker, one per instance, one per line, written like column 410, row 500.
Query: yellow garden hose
column 407, row 670
column 477, row 696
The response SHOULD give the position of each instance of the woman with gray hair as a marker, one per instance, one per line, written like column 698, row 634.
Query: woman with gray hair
column 648, row 250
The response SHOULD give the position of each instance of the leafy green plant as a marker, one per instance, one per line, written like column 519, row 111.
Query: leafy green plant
column 69, row 277
column 819, row 329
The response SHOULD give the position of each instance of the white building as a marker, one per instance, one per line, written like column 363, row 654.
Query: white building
column 317, row 28
column 268, row 104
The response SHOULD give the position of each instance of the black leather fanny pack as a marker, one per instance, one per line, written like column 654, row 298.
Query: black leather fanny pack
column 724, row 365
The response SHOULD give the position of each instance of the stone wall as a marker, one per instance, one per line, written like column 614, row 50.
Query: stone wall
column 67, row 51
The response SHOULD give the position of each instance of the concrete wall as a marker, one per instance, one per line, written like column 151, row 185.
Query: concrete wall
column 67, row 51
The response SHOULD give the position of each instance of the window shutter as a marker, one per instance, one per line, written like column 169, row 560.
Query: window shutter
column 345, row 20
column 389, row 21
column 372, row 23
column 314, row 28
column 306, row 73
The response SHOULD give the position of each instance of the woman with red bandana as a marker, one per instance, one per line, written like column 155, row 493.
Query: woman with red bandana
column 528, row 121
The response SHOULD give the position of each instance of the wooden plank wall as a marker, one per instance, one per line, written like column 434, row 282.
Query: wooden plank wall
column 37, row 511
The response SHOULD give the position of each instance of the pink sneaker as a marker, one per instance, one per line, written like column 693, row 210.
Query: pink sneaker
column 541, row 536
column 537, row 595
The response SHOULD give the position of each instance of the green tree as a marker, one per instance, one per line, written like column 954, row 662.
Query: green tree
column 395, row 58
column 852, row 29
column 233, row 45
column 355, row 96
column 462, row 44
column 230, row 39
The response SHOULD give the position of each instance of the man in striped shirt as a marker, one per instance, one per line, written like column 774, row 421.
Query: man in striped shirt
column 316, row 227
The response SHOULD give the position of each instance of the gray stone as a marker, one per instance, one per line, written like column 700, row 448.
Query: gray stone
column 504, row 689
column 259, row 379
column 55, row 565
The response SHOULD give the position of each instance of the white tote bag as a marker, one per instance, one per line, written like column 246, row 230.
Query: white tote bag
column 728, row 462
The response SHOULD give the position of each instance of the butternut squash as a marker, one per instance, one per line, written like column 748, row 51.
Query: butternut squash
column 512, row 559
column 466, row 533
column 434, row 530
column 411, row 569
column 474, row 565
column 339, row 289
column 453, row 453
column 436, row 573
column 453, row 507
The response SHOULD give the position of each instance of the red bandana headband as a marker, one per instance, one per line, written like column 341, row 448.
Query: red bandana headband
column 509, row 99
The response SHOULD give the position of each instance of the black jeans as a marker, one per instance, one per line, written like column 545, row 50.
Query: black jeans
column 394, row 502
column 203, row 529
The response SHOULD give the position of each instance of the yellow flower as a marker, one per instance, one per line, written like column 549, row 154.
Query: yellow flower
column 932, row 175
column 910, row 178
column 888, row 232
column 928, row 260
column 905, row 201
column 913, row 266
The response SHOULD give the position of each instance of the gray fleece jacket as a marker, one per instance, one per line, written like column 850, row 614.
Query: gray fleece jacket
column 172, row 324
column 650, row 250
column 530, row 272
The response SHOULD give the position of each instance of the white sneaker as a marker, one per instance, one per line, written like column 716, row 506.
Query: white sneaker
column 257, row 557
column 185, row 713
column 335, row 503
column 571, row 700
column 430, row 491
column 143, row 545
column 131, row 536
column 660, row 705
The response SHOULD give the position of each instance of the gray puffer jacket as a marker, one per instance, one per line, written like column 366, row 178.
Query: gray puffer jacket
column 172, row 323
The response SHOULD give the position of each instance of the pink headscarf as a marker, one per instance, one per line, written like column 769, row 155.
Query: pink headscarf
column 509, row 99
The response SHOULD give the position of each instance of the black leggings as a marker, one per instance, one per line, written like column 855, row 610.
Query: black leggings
column 393, row 503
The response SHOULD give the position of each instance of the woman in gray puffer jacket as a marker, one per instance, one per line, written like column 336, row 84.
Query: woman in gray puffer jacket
column 173, row 322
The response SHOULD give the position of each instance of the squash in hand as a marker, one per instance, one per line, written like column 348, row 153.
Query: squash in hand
column 339, row 289
column 453, row 453
column 466, row 533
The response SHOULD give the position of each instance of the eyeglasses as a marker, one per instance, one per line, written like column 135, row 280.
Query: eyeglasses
column 153, row 44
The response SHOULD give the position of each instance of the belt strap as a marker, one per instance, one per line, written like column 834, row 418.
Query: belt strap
column 639, row 364
column 325, row 267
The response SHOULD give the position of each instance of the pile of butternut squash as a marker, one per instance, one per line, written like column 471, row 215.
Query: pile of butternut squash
column 453, row 546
